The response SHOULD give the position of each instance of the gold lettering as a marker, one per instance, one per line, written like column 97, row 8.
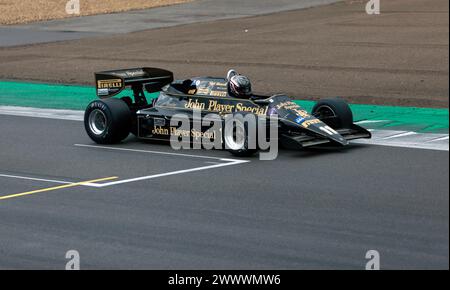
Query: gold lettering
column 308, row 123
column 302, row 113
column 107, row 84
column 215, row 106
column 288, row 105
column 158, row 130
column 218, row 94
column 194, row 105
column 255, row 110
column 178, row 132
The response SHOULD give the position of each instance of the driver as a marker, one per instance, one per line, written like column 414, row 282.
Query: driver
column 239, row 86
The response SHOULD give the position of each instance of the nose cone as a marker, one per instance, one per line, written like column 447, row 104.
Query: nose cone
column 328, row 133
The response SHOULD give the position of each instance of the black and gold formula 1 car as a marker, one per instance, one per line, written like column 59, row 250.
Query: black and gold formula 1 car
column 110, row 120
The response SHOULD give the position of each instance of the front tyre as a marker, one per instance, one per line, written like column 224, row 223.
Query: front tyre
column 107, row 121
column 236, row 138
column 336, row 113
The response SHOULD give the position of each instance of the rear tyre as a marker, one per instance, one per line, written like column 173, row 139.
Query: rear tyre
column 134, row 125
column 336, row 113
column 236, row 139
column 107, row 121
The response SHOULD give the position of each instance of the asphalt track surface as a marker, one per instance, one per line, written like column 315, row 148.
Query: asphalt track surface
column 320, row 209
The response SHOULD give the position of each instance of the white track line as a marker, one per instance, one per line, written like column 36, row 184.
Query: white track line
column 35, row 179
column 439, row 139
column 228, row 162
column 371, row 122
column 153, row 152
column 402, row 145
column 71, row 115
column 166, row 174
column 406, row 139
column 400, row 135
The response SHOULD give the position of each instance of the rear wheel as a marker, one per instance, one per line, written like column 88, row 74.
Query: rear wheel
column 336, row 113
column 107, row 121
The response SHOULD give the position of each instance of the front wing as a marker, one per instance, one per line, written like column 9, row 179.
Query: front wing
column 307, row 140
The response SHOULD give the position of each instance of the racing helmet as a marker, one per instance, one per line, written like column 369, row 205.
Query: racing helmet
column 240, row 86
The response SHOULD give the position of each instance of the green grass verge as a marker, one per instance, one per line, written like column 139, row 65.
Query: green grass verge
column 38, row 95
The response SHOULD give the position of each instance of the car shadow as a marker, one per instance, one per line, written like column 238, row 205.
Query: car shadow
column 310, row 152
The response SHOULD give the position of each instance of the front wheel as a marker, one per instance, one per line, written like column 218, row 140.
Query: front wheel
column 336, row 113
column 107, row 121
column 236, row 138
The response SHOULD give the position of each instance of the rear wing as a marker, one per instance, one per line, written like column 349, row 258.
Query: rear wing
column 110, row 83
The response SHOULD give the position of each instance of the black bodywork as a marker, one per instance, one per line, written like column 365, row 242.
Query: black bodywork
column 296, row 127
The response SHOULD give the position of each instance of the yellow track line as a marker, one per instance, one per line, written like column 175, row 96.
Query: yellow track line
column 56, row 187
